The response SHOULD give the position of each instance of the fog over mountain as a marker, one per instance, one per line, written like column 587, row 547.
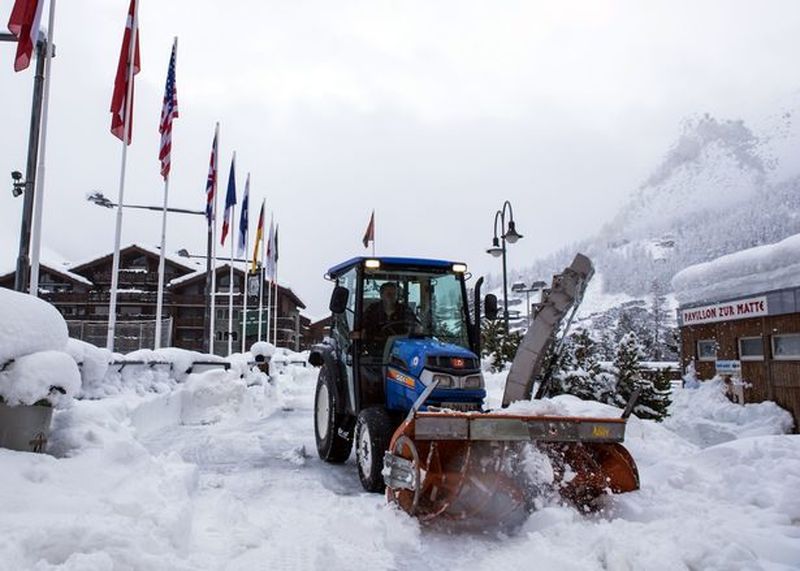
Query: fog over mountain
column 723, row 186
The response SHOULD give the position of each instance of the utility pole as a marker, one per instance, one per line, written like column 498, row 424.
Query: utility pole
column 21, row 278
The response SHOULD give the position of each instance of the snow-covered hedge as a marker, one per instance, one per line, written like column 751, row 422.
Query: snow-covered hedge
column 28, row 325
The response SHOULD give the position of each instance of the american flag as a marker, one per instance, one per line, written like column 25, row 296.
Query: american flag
column 168, row 112
column 211, row 185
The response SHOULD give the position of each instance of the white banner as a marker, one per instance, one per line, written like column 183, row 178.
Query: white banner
column 739, row 309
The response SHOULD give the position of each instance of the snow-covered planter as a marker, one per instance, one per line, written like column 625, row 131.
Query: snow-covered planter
column 35, row 374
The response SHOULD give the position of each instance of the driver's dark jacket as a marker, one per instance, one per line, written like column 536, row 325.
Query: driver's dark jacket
column 375, row 318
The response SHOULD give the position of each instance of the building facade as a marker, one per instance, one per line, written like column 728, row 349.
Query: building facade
column 739, row 318
column 81, row 292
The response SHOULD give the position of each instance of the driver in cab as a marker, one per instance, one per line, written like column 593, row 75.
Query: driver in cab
column 387, row 316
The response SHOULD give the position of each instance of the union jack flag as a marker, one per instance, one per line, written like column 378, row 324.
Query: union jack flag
column 211, row 185
column 169, row 111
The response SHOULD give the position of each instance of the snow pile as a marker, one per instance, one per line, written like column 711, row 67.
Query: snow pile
column 46, row 375
column 93, row 363
column 262, row 351
column 211, row 396
column 32, row 366
column 755, row 270
column 706, row 417
column 28, row 325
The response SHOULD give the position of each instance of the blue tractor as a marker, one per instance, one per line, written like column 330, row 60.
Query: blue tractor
column 399, row 326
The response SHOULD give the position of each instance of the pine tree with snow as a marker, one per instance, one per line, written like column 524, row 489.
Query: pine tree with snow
column 627, row 366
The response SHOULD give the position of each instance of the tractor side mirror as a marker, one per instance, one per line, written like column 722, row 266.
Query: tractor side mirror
column 490, row 306
column 339, row 300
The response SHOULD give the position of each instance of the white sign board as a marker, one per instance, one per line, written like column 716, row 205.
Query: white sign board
column 739, row 309
column 733, row 368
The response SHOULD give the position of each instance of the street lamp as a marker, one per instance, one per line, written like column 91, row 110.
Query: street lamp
column 102, row 200
column 520, row 287
column 508, row 234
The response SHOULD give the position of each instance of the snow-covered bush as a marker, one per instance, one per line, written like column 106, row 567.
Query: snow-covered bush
column 28, row 325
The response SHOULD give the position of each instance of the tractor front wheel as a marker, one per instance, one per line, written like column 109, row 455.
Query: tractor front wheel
column 334, row 437
column 373, row 433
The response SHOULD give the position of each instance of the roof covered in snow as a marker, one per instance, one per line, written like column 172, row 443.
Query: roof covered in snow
column 747, row 272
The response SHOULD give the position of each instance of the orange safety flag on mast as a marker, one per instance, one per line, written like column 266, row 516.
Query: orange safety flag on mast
column 369, row 235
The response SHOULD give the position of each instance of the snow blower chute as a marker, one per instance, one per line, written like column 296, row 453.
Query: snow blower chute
column 400, row 376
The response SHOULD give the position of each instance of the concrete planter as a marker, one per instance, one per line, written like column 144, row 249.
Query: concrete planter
column 25, row 428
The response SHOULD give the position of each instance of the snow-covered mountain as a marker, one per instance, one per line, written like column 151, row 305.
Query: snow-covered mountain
column 723, row 186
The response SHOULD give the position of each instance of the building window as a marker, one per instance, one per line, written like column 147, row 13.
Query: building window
column 751, row 349
column 786, row 346
column 707, row 350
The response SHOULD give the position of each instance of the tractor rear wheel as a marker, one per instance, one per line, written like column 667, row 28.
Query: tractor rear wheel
column 374, row 430
column 334, row 437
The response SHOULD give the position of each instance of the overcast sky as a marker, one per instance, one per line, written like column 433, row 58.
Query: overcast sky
column 432, row 113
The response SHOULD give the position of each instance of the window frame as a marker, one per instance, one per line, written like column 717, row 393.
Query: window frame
column 775, row 357
column 743, row 357
column 700, row 356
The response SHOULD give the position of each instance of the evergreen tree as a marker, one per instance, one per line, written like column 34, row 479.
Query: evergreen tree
column 626, row 364
column 496, row 344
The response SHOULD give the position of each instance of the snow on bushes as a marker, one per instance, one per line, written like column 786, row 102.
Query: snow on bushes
column 28, row 325
column 47, row 375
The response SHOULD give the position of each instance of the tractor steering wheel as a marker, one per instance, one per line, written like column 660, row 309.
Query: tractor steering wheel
column 389, row 326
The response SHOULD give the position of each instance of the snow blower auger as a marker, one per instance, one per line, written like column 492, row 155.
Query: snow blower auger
column 400, row 375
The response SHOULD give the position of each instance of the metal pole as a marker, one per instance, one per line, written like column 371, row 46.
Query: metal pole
column 505, row 284
column 36, row 245
column 213, row 292
column 261, row 288
column 160, row 294
column 21, row 281
column 207, row 343
column 112, row 309
column 230, row 280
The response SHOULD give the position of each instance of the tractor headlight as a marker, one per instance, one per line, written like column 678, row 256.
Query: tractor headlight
column 445, row 381
column 473, row 382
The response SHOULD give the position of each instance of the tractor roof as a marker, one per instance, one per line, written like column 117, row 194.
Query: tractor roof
column 393, row 262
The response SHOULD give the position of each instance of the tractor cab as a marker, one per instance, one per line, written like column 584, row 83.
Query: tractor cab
column 399, row 324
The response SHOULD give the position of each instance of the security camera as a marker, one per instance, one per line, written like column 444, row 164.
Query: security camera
column 16, row 175
column 16, row 191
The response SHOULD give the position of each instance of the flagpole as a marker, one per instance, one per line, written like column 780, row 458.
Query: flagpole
column 246, row 260
column 373, row 233
column 268, row 260
column 275, row 317
column 261, row 283
column 39, row 195
column 213, row 294
column 232, row 226
column 112, row 307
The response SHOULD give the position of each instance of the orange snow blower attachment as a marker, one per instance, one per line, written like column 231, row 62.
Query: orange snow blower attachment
column 488, row 468
column 479, row 468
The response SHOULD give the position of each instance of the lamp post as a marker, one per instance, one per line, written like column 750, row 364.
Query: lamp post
column 508, row 234
column 99, row 199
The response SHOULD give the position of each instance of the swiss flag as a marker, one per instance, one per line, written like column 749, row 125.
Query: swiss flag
column 24, row 24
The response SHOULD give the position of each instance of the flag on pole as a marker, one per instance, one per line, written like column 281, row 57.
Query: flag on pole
column 275, row 253
column 270, row 250
column 118, row 99
column 211, row 184
column 369, row 235
column 259, row 236
column 24, row 24
column 244, row 222
column 230, row 201
column 169, row 111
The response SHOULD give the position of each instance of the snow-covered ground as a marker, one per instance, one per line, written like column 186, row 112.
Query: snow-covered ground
column 220, row 472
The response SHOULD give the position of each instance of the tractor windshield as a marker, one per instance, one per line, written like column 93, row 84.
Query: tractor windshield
column 415, row 303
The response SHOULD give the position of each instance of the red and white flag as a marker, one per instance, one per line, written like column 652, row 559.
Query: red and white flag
column 119, row 104
column 24, row 24
column 169, row 111
column 369, row 235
